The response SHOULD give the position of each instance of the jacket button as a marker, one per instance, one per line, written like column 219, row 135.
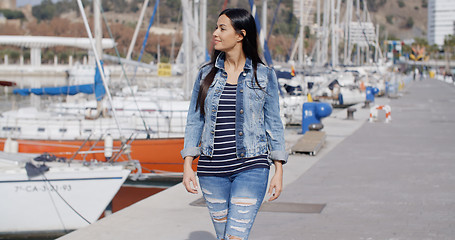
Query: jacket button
column 242, row 154
column 241, row 90
column 244, row 74
column 240, row 133
column 212, row 132
column 241, row 111
column 213, row 110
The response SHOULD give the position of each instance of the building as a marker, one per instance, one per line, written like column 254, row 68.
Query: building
column 7, row 4
column 441, row 20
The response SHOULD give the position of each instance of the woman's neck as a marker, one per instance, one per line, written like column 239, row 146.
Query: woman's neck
column 234, row 60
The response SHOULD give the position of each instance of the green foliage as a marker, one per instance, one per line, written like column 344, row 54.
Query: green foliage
column 409, row 22
column 449, row 41
column 45, row 11
column 421, row 42
column 287, row 25
column 374, row 5
column 424, row 4
column 389, row 19
column 64, row 6
column 400, row 3
column 307, row 32
column 12, row 14
column 115, row 5
column 13, row 54
column 174, row 4
column 407, row 49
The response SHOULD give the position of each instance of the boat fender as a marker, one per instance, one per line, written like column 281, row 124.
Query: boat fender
column 108, row 146
column 11, row 146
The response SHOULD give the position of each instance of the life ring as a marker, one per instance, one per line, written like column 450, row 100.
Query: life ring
column 374, row 113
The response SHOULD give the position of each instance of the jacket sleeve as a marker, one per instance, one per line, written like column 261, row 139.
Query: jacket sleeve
column 273, row 125
column 194, row 124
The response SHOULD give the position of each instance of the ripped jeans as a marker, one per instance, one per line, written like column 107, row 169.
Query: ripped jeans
column 234, row 201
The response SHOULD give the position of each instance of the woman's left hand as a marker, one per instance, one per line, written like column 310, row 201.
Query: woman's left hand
column 276, row 183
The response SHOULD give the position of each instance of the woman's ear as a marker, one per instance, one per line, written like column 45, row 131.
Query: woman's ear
column 241, row 35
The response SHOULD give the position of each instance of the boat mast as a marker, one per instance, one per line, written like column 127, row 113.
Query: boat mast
column 333, row 41
column 301, row 34
column 98, row 63
column 203, row 23
column 136, row 31
column 318, row 40
column 264, row 18
column 98, row 29
column 325, row 29
column 186, row 49
column 359, row 21
column 347, row 41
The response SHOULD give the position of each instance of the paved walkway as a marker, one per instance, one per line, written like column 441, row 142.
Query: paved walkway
column 377, row 181
column 385, row 181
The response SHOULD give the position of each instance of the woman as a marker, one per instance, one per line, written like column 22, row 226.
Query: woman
column 234, row 125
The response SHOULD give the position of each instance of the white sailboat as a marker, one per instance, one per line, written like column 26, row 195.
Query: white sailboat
column 43, row 194
column 154, row 118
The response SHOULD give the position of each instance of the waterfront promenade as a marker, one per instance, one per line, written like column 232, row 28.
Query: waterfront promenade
column 375, row 181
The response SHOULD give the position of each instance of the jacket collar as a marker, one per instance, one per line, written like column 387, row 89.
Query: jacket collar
column 219, row 63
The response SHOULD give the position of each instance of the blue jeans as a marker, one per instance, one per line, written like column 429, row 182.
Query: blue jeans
column 234, row 201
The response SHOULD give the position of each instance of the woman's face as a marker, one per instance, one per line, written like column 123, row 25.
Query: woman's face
column 225, row 37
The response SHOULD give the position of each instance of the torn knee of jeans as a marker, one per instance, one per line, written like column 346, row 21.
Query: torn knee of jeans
column 230, row 237
column 214, row 200
column 206, row 191
column 270, row 134
column 220, row 216
column 244, row 201
column 244, row 221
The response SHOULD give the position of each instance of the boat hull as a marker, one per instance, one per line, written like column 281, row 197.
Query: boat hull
column 62, row 199
column 154, row 155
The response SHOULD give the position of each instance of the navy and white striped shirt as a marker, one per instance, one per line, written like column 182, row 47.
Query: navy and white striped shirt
column 224, row 161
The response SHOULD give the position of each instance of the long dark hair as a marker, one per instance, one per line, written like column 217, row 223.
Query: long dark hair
column 241, row 19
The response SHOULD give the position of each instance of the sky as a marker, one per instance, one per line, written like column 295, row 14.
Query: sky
column 20, row 3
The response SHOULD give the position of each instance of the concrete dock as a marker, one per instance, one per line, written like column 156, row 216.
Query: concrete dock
column 373, row 181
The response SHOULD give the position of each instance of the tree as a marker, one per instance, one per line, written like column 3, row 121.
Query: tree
column 409, row 22
column 449, row 47
column 45, row 11
column 433, row 50
column 424, row 3
column 389, row 19
column 12, row 14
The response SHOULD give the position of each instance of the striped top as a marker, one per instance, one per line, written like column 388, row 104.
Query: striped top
column 224, row 161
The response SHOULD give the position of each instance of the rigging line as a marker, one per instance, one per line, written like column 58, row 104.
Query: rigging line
column 55, row 207
column 147, row 33
column 124, row 71
column 366, row 38
column 61, row 197
column 98, row 63
column 172, row 59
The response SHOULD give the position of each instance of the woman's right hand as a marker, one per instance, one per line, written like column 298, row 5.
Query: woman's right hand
column 189, row 178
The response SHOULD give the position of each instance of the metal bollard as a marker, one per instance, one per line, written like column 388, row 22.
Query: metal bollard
column 351, row 111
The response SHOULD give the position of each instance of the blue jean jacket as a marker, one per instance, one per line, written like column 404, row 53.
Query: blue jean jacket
column 259, row 128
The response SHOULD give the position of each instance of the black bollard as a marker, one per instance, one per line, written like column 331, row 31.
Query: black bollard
column 351, row 111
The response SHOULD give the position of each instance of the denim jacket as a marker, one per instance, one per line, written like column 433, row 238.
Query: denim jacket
column 259, row 129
